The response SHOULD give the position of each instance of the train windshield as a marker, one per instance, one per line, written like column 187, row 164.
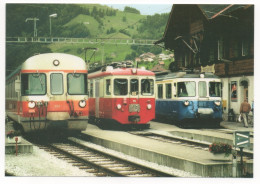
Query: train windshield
column 215, row 89
column 33, row 84
column 186, row 89
column 202, row 89
column 56, row 84
column 147, row 86
column 77, row 84
column 120, row 86
column 134, row 86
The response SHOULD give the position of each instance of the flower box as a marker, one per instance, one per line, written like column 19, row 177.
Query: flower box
column 218, row 148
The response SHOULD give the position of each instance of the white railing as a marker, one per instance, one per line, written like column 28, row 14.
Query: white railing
column 79, row 40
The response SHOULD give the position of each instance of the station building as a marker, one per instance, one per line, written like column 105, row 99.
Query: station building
column 218, row 39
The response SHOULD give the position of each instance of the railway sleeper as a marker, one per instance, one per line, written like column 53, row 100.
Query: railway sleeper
column 105, row 163
column 131, row 172
column 122, row 169
column 78, row 164
column 141, row 175
column 100, row 174
column 112, row 165
column 85, row 167
column 97, row 160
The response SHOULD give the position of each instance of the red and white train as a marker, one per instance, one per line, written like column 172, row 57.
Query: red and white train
column 122, row 96
column 48, row 91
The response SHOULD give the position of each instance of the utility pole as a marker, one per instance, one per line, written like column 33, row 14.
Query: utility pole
column 34, row 25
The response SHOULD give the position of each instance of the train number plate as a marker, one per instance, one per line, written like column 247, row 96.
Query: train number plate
column 134, row 108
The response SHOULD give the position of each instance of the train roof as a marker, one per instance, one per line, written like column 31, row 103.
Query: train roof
column 120, row 71
column 175, row 75
column 45, row 62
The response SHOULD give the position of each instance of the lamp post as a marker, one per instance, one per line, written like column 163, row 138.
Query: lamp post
column 34, row 25
column 52, row 15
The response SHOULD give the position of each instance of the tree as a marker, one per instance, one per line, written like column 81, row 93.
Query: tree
column 131, row 10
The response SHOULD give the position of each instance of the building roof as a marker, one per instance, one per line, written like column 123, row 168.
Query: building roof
column 213, row 11
column 209, row 12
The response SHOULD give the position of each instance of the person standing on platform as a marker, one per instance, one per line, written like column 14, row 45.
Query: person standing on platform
column 245, row 108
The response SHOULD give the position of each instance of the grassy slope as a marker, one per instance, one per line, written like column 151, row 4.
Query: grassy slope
column 118, row 52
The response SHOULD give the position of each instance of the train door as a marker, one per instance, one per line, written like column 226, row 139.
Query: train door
column 134, row 104
column 97, row 98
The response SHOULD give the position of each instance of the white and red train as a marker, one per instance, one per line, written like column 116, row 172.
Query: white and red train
column 122, row 96
column 49, row 91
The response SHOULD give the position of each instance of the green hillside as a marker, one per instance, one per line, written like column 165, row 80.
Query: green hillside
column 79, row 21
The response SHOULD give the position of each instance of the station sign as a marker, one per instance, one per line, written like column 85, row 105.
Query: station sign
column 241, row 139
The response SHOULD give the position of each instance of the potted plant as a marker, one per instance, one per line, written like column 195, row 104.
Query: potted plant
column 14, row 136
column 220, row 148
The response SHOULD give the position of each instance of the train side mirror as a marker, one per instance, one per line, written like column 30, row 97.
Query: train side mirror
column 17, row 85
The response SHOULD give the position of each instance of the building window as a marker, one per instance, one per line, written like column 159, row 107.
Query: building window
column 186, row 59
column 220, row 48
column 211, row 55
column 233, row 91
column 245, row 47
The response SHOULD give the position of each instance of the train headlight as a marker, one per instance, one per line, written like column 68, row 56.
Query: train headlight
column 134, row 70
column 31, row 104
column 186, row 103
column 56, row 62
column 217, row 103
column 82, row 103
column 118, row 106
column 149, row 106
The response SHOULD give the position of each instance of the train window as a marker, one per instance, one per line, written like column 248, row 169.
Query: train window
column 108, row 87
column 215, row 89
column 120, row 87
column 202, row 89
column 168, row 90
column 147, row 86
column 160, row 91
column 91, row 88
column 186, row 89
column 56, row 84
column 134, row 86
column 77, row 84
column 33, row 84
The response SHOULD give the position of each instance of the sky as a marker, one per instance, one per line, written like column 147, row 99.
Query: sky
column 145, row 9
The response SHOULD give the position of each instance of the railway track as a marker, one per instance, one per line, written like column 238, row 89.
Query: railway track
column 99, row 163
column 183, row 141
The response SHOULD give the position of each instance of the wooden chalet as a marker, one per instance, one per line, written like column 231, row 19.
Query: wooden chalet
column 218, row 39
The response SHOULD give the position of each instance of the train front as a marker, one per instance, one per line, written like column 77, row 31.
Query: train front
column 200, row 100
column 123, row 96
column 134, row 98
column 190, row 99
column 53, row 93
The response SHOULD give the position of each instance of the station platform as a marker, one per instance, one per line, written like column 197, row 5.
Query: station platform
column 22, row 147
column 196, row 161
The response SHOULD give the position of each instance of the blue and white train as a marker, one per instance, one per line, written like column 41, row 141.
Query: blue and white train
column 189, row 98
